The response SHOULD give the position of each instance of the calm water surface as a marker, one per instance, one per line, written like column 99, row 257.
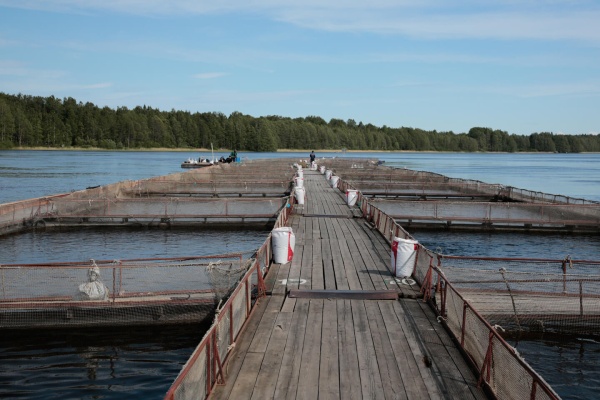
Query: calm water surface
column 143, row 363
column 116, row 363
column 28, row 174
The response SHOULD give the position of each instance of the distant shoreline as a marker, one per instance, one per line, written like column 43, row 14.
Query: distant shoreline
column 202, row 150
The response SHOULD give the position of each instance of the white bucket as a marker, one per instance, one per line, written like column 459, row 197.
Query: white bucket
column 328, row 174
column 283, row 240
column 322, row 169
column 351, row 196
column 334, row 181
column 299, row 181
column 404, row 256
column 299, row 193
column 300, row 173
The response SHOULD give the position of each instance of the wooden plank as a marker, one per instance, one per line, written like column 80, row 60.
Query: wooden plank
column 279, row 288
column 456, row 376
column 309, row 367
column 352, row 280
column 400, row 346
column 317, row 258
column 376, row 263
column 350, row 387
column 344, row 294
column 265, row 328
column 418, row 351
column 287, row 381
column 349, row 267
column 245, row 382
column 306, row 270
column 393, row 386
column 288, row 305
column 269, row 370
column 341, row 278
column 271, row 278
column 329, row 370
column 293, row 279
column 362, row 261
column 327, row 258
column 370, row 378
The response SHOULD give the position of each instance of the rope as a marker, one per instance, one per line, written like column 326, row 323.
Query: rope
column 502, row 271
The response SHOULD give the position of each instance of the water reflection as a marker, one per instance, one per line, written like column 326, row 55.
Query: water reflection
column 94, row 363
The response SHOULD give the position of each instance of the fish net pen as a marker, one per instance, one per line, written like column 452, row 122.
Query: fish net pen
column 117, row 292
column 381, row 180
column 529, row 295
column 469, row 215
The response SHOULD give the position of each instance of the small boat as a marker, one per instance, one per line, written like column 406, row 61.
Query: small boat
column 200, row 163
column 191, row 163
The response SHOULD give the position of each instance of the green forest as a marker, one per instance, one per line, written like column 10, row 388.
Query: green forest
column 33, row 121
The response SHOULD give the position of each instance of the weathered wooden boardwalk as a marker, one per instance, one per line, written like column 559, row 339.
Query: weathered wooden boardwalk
column 316, row 336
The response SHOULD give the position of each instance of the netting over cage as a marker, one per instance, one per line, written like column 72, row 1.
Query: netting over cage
column 535, row 295
column 119, row 292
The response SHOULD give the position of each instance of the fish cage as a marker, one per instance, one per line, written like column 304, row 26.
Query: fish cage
column 119, row 292
column 528, row 295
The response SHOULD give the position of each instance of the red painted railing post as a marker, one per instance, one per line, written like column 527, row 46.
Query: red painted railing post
column 533, row 390
column 464, row 321
column 217, row 358
column 426, row 286
column 486, row 366
column 260, row 284
column 208, row 362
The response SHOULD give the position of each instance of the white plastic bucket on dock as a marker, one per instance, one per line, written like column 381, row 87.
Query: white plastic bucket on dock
column 299, row 181
column 334, row 181
column 300, row 173
column 351, row 196
column 322, row 169
column 404, row 256
column 283, row 240
column 328, row 174
column 299, row 193
column 313, row 166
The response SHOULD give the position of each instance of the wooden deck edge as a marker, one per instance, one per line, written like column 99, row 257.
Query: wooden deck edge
column 344, row 294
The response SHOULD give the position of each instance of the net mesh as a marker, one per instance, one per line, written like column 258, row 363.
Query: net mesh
column 119, row 292
column 559, row 296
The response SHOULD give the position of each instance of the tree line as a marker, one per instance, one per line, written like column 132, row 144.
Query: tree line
column 33, row 121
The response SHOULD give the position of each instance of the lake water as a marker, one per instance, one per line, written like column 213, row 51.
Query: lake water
column 28, row 174
column 128, row 363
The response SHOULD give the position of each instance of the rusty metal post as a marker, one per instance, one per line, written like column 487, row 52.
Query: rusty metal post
column 443, row 297
column 218, row 364
column 532, row 395
column 426, row 286
column 208, row 372
column 464, row 321
column 260, row 284
column 486, row 366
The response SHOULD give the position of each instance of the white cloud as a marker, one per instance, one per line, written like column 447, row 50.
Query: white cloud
column 19, row 69
column 428, row 19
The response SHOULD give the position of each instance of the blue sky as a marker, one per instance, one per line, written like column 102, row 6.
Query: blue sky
column 522, row 66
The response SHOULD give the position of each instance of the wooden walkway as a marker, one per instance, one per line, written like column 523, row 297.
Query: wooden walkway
column 342, row 346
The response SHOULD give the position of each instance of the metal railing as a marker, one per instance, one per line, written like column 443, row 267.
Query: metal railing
column 500, row 367
column 205, row 368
